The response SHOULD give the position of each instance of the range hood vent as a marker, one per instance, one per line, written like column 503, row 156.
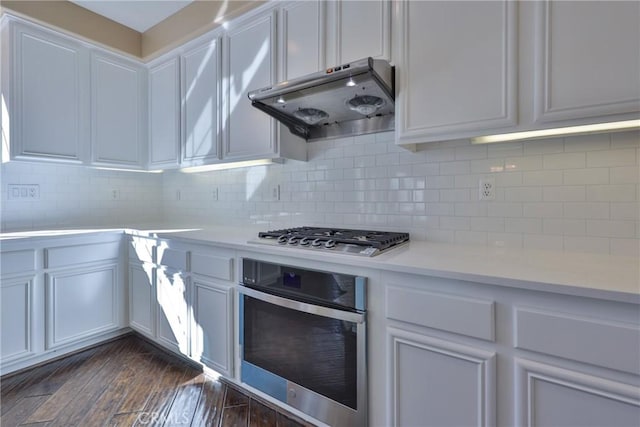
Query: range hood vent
column 346, row 100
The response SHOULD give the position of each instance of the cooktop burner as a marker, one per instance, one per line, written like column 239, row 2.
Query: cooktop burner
column 357, row 242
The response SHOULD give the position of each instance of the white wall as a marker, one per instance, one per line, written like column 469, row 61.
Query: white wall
column 75, row 196
column 575, row 194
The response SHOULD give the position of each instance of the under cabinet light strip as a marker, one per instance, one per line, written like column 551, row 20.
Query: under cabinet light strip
column 232, row 165
column 546, row 133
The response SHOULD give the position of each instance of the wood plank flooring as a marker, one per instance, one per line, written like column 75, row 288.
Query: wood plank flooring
column 130, row 382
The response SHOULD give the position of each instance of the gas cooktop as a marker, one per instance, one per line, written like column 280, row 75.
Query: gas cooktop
column 353, row 242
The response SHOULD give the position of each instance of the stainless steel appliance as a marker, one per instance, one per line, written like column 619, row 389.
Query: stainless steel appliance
column 354, row 242
column 303, row 339
column 345, row 100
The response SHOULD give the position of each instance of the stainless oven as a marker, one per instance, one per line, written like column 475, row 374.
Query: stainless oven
column 303, row 339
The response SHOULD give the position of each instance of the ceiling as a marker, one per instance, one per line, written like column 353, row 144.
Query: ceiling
column 137, row 14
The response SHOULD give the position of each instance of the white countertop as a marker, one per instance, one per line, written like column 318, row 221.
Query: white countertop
column 588, row 275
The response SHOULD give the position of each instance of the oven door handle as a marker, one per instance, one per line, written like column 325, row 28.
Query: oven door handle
column 332, row 313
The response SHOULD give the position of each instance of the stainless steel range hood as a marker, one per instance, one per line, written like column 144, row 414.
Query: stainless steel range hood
column 345, row 100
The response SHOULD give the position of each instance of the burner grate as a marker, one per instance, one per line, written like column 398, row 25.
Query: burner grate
column 380, row 240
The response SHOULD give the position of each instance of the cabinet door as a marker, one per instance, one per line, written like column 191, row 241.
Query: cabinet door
column 142, row 298
column 438, row 383
column 48, row 97
column 201, row 99
column 212, row 329
column 81, row 303
column 164, row 114
column 456, row 68
column 250, row 64
column 587, row 59
column 117, row 112
column 16, row 318
column 171, row 314
column 359, row 29
column 550, row 396
column 303, row 35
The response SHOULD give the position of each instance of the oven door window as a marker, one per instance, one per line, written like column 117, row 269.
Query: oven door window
column 316, row 352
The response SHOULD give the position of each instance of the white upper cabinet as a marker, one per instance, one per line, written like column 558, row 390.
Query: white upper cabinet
column 47, row 106
column 302, row 37
column 358, row 29
column 201, row 82
column 455, row 68
column 117, row 112
column 250, row 63
column 587, row 59
column 164, row 114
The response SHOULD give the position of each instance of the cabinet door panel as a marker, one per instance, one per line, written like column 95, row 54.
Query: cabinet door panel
column 141, row 298
column 303, row 38
column 363, row 30
column 16, row 302
column 251, row 65
column 212, row 329
column 172, row 326
column 116, row 112
column 551, row 396
column 48, row 97
column 164, row 114
column 588, row 59
column 80, row 304
column 200, row 92
column 456, row 68
column 438, row 383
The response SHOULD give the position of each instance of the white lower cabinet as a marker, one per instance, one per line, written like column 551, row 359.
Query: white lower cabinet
column 461, row 353
column 81, row 303
column 446, row 383
column 171, row 310
column 16, row 318
column 212, row 327
column 142, row 298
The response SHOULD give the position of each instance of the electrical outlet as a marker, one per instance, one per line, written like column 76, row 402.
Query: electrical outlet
column 115, row 194
column 487, row 189
column 215, row 194
column 178, row 195
column 275, row 193
column 23, row 192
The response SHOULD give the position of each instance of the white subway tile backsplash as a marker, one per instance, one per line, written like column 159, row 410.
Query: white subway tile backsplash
column 586, row 176
column 564, row 161
column 625, row 247
column 577, row 193
column 608, row 158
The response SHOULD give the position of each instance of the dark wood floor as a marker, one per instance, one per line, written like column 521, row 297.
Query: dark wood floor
column 129, row 382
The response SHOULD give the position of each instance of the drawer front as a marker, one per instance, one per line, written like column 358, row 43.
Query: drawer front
column 604, row 343
column 141, row 249
column 460, row 315
column 173, row 258
column 17, row 262
column 80, row 254
column 218, row 267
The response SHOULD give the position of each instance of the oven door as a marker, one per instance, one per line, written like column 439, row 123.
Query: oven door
column 309, row 356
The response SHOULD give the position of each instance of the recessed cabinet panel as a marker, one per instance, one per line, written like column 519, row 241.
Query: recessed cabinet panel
column 551, row 396
column 303, row 38
column 71, row 255
column 578, row 338
column 250, row 133
column 587, row 59
column 457, row 68
column 436, row 383
column 213, row 327
column 17, row 262
column 48, row 100
column 173, row 258
column 141, row 298
column 116, row 112
column 172, row 319
column 201, row 104
column 80, row 304
column 363, row 30
column 16, row 302
column 164, row 114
